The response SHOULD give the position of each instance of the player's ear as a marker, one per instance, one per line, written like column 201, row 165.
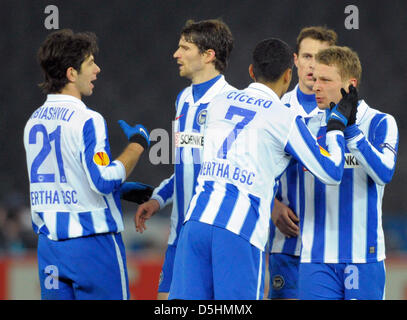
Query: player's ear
column 251, row 73
column 210, row 55
column 351, row 81
column 288, row 75
column 296, row 59
column 71, row 74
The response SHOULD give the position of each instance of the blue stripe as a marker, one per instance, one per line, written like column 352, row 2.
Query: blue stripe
column 227, row 206
column 89, row 138
column 111, row 223
column 320, row 207
column 292, row 172
column 43, row 229
column 178, row 97
column 182, row 120
column 385, row 174
column 85, row 220
column 62, row 225
column 289, row 245
column 345, row 215
column 371, row 220
column 107, row 146
column 277, row 193
column 197, row 168
column 373, row 124
column 272, row 234
column 301, row 196
column 251, row 218
column 167, row 191
column 202, row 201
column 179, row 171
column 333, row 171
column 179, row 185
column 377, row 135
column 318, row 244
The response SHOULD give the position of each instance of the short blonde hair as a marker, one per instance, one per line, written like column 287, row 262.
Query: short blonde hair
column 344, row 58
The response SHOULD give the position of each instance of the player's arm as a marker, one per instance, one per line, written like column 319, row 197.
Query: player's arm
column 285, row 219
column 282, row 216
column 302, row 145
column 162, row 196
column 377, row 156
column 164, row 193
column 103, row 175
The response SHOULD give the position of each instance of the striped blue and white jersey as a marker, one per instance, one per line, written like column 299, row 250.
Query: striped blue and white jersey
column 343, row 224
column 73, row 183
column 250, row 137
column 287, row 192
column 188, row 132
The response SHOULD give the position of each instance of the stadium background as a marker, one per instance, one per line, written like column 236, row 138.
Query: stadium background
column 139, row 83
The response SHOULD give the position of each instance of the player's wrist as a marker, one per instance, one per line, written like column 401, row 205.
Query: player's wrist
column 140, row 140
column 334, row 124
column 135, row 147
column 351, row 131
column 159, row 200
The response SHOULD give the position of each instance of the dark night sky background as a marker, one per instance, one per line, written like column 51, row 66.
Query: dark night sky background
column 139, row 80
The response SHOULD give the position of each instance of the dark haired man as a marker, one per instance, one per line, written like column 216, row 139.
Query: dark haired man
column 250, row 137
column 74, row 185
column 202, row 55
column 285, row 244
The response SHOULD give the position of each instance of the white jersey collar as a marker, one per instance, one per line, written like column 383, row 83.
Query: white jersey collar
column 209, row 94
column 65, row 97
column 265, row 89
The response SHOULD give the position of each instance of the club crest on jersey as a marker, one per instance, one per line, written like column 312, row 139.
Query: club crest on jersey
column 201, row 118
column 278, row 282
column 101, row 158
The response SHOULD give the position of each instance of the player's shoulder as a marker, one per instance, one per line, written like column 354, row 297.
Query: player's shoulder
column 371, row 113
column 290, row 97
column 226, row 86
column 89, row 113
column 183, row 94
column 374, row 119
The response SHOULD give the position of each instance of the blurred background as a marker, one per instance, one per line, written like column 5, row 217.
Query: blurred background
column 139, row 82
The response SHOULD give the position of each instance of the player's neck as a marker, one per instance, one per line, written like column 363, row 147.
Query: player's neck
column 277, row 87
column 71, row 91
column 204, row 75
column 304, row 89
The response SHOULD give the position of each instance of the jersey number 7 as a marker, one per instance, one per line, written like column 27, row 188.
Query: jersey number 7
column 247, row 115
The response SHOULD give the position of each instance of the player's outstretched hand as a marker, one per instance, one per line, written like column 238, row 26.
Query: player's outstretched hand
column 285, row 219
column 135, row 192
column 137, row 133
column 344, row 113
column 144, row 212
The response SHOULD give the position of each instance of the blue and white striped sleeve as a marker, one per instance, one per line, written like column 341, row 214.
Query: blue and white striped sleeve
column 377, row 153
column 327, row 166
column 104, row 176
column 164, row 193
